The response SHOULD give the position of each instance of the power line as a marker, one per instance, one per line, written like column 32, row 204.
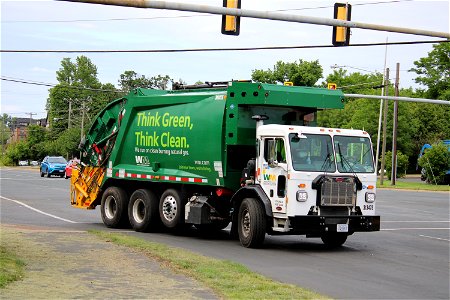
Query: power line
column 17, row 80
column 185, row 16
column 223, row 49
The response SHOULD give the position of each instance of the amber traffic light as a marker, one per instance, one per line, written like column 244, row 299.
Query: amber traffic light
column 231, row 24
column 341, row 35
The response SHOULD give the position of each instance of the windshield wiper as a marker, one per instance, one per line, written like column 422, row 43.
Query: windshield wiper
column 327, row 162
column 344, row 160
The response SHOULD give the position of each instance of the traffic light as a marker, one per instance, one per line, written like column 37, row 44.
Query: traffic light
column 332, row 86
column 341, row 35
column 231, row 24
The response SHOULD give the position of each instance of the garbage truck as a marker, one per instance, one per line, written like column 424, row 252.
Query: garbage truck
column 242, row 153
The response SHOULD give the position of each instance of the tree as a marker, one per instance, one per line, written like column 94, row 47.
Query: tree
column 436, row 162
column 301, row 73
column 36, row 134
column 402, row 164
column 5, row 132
column 130, row 80
column 434, row 72
column 79, row 85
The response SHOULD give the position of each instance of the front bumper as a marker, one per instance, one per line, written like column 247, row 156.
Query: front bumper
column 316, row 225
column 56, row 171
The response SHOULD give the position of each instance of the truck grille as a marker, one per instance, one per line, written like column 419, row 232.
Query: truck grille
column 338, row 191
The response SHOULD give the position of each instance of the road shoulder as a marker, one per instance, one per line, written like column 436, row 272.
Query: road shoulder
column 75, row 264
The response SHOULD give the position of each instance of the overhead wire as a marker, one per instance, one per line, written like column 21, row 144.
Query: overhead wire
column 222, row 49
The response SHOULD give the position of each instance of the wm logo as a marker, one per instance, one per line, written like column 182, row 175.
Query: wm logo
column 142, row 160
column 269, row 177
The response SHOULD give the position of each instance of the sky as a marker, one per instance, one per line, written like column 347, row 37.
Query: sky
column 58, row 25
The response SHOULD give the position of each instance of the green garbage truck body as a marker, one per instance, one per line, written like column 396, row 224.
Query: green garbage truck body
column 208, row 157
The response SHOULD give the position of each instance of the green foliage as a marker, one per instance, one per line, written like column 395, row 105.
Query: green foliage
column 130, row 80
column 77, row 84
column 15, row 152
column 434, row 72
column 402, row 164
column 356, row 83
column 436, row 162
column 5, row 120
column 301, row 73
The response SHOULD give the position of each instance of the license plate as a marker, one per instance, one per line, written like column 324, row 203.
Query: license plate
column 342, row 228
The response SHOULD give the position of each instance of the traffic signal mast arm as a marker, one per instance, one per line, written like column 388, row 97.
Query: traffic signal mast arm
column 408, row 99
column 261, row 15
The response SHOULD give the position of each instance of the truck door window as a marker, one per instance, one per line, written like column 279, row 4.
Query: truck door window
column 274, row 151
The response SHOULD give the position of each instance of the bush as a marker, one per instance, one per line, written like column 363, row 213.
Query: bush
column 436, row 162
column 402, row 164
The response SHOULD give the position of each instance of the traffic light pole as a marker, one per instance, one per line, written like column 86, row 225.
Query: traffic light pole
column 261, row 15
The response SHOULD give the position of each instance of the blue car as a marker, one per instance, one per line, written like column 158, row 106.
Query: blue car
column 53, row 165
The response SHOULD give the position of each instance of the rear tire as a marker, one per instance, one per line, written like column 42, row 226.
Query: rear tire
column 171, row 209
column 114, row 207
column 143, row 211
column 334, row 239
column 251, row 223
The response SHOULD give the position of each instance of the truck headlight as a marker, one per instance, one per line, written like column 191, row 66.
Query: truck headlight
column 370, row 197
column 302, row 196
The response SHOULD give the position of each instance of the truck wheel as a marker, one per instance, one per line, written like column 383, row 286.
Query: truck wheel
column 334, row 239
column 114, row 207
column 171, row 209
column 251, row 223
column 143, row 210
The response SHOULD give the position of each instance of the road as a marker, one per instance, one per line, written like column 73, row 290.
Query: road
column 407, row 259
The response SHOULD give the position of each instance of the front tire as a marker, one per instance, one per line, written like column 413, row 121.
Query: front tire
column 334, row 239
column 251, row 223
column 143, row 211
column 114, row 207
column 171, row 209
column 42, row 173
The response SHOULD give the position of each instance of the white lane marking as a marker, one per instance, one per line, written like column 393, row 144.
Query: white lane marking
column 37, row 210
column 415, row 221
column 434, row 238
column 394, row 229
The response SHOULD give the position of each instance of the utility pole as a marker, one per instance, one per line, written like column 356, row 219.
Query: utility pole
column 380, row 115
column 394, row 129
column 82, row 123
column 70, row 112
column 385, row 111
column 31, row 117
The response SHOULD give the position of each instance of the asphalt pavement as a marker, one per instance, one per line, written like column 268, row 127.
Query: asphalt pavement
column 407, row 259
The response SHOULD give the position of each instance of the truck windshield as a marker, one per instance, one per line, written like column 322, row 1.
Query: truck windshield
column 353, row 154
column 312, row 152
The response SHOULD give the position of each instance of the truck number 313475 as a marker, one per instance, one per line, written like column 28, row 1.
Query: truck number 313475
column 368, row 207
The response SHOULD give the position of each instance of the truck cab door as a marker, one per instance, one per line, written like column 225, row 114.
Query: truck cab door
column 272, row 175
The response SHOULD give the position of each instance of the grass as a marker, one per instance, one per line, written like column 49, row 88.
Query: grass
column 11, row 268
column 228, row 279
column 418, row 186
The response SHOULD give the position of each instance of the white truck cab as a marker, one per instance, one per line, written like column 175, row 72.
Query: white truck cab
column 320, row 181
